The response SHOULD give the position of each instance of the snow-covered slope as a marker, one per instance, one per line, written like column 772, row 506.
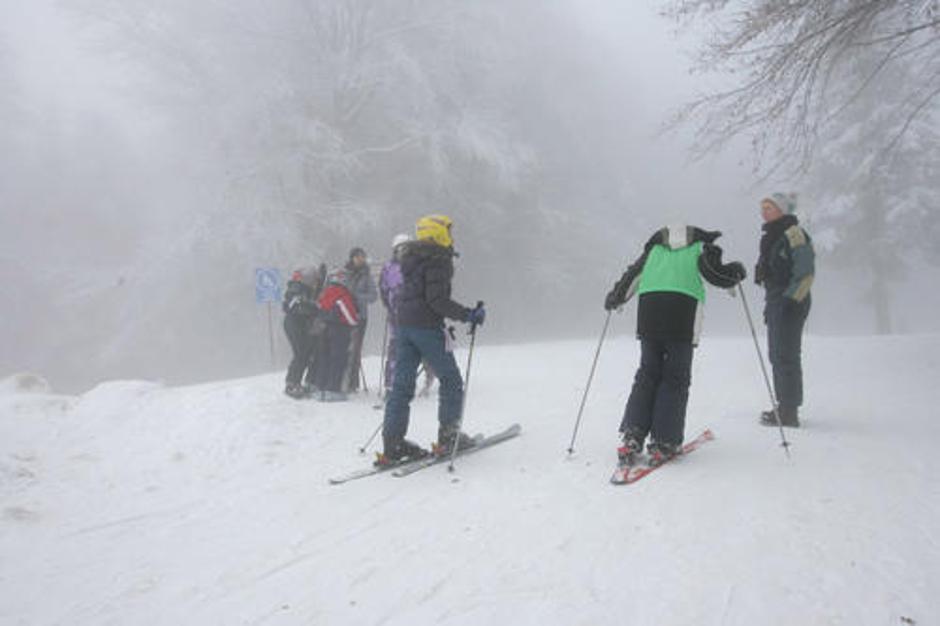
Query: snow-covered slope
column 140, row 504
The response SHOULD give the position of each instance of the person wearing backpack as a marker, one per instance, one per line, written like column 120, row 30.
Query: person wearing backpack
column 427, row 267
column 667, row 277
column 300, row 311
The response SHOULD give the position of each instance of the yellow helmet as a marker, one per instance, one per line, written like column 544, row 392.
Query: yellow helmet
column 435, row 228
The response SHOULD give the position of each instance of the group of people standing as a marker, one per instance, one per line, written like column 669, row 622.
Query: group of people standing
column 325, row 319
column 667, row 279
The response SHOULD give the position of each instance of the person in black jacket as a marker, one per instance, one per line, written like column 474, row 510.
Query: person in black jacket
column 427, row 267
column 363, row 290
column 668, row 278
column 300, row 312
column 786, row 269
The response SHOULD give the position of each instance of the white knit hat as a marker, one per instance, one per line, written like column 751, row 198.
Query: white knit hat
column 786, row 202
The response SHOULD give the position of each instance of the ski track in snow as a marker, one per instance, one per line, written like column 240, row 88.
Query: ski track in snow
column 136, row 503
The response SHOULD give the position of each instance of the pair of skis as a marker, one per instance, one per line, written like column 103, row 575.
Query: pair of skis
column 624, row 473
column 630, row 473
column 405, row 468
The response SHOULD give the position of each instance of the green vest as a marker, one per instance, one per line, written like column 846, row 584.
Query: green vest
column 673, row 270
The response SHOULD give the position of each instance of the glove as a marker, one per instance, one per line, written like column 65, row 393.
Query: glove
column 477, row 315
column 611, row 302
column 737, row 270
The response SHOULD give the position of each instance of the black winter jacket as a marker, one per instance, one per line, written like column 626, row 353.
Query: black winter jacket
column 673, row 316
column 425, row 301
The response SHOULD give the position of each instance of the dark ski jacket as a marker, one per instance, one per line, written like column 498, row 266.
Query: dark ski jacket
column 787, row 262
column 300, row 297
column 671, row 315
column 427, row 270
column 362, row 287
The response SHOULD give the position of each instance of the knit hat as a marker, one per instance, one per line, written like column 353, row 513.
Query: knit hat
column 357, row 251
column 786, row 202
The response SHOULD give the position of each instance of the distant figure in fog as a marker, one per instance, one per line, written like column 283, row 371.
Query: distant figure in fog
column 300, row 312
column 338, row 311
column 362, row 287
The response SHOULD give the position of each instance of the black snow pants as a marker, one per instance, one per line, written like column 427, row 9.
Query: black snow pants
column 332, row 357
column 302, row 344
column 785, row 320
column 660, row 393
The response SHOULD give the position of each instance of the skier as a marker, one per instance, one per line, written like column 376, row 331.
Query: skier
column 427, row 269
column 390, row 282
column 785, row 268
column 668, row 278
column 338, row 310
column 362, row 287
column 300, row 311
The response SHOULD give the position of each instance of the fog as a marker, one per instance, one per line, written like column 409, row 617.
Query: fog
column 154, row 155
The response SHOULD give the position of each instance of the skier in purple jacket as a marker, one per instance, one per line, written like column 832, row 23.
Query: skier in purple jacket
column 390, row 284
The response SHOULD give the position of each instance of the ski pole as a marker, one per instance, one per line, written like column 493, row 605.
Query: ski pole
column 587, row 387
column 466, row 389
column 364, row 447
column 362, row 376
column 381, row 384
column 763, row 368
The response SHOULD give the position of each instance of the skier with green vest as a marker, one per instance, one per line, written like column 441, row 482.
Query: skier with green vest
column 667, row 278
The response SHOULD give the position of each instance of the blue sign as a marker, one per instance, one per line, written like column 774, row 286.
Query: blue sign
column 267, row 285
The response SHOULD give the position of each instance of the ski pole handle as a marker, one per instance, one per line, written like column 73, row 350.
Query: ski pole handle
column 473, row 325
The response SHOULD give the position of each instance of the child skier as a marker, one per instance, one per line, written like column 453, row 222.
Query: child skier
column 668, row 278
column 427, row 268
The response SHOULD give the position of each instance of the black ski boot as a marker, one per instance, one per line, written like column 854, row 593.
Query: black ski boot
column 399, row 452
column 445, row 440
column 789, row 417
column 660, row 452
column 295, row 391
column 630, row 448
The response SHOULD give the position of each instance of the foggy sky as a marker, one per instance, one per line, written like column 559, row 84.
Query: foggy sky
column 97, row 177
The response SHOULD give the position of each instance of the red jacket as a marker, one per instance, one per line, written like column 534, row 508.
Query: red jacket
column 337, row 300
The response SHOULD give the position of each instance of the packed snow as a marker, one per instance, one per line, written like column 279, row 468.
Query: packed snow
column 137, row 503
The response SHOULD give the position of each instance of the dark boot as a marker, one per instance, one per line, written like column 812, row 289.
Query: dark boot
column 295, row 391
column 660, row 452
column 399, row 451
column 789, row 417
column 445, row 440
column 631, row 446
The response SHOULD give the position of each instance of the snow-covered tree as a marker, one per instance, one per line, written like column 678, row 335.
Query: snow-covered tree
column 790, row 65
column 875, row 201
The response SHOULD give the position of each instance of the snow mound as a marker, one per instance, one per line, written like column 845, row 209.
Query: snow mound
column 117, row 394
column 25, row 382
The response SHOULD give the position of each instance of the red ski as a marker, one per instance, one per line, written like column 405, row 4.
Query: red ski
column 625, row 474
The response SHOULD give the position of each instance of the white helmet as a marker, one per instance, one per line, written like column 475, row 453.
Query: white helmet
column 400, row 239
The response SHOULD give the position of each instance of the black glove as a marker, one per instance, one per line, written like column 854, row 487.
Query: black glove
column 611, row 302
column 737, row 270
column 477, row 315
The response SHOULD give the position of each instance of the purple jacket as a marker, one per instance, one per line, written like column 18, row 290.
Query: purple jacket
column 390, row 282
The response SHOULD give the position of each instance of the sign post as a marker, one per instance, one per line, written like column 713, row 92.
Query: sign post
column 268, row 290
